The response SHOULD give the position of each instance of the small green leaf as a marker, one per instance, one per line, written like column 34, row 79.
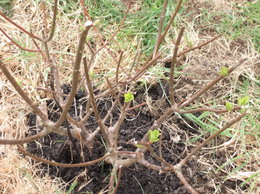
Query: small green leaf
column 139, row 146
column 223, row 71
column 154, row 135
column 229, row 106
column 129, row 97
column 92, row 74
column 19, row 82
column 243, row 101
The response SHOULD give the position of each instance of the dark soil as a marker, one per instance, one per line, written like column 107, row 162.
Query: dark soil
column 136, row 178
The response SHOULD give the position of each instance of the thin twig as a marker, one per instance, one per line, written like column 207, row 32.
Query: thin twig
column 167, row 59
column 20, row 148
column 85, row 10
column 136, row 58
column 118, row 29
column 21, row 28
column 208, row 86
column 144, row 68
column 198, row 148
column 118, row 66
column 207, row 109
column 137, row 106
column 39, row 49
column 32, row 138
column 22, row 93
column 184, row 182
column 170, row 22
column 118, row 180
column 94, row 106
column 160, row 26
column 16, row 44
column 53, row 22
column 112, row 180
column 171, row 81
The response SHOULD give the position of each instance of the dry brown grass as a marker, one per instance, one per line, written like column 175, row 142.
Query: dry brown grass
column 19, row 175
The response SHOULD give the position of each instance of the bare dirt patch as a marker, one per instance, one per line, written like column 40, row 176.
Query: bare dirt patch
column 136, row 178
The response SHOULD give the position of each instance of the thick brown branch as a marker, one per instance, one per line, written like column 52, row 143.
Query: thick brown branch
column 76, row 75
column 154, row 166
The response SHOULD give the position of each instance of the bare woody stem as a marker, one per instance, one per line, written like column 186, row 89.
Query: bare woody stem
column 184, row 182
column 170, row 22
column 19, row 46
column 20, row 148
column 112, row 180
column 39, row 135
column 76, row 75
column 118, row 66
column 162, row 16
column 169, row 166
column 21, row 28
column 22, row 93
column 94, row 105
column 209, row 85
column 189, row 50
column 171, row 84
column 198, row 148
column 118, row 180
column 143, row 70
column 207, row 109
column 53, row 22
